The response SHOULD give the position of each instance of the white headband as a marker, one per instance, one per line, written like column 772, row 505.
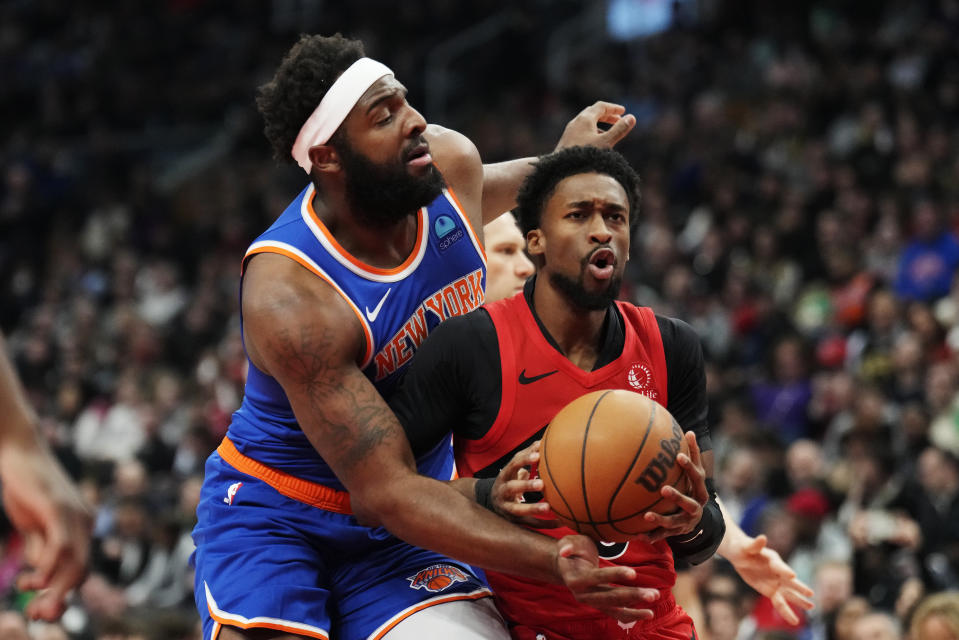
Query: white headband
column 335, row 106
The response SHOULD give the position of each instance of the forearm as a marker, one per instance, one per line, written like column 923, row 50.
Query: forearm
column 735, row 539
column 465, row 486
column 433, row 515
column 501, row 182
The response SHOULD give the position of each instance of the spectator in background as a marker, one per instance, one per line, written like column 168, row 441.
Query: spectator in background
column 936, row 510
column 723, row 617
column 869, row 349
column 742, row 482
column 930, row 260
column 782, row 399
column 818, row 537
column 942, row 401
column 833, row 586
column 114, row 431
column 848, row 614
column 877, row 625
column 884, row 536
column 804, row 465
column 936, row 617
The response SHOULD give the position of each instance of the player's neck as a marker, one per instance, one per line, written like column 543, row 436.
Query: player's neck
column 384, row 247
column 577, row 332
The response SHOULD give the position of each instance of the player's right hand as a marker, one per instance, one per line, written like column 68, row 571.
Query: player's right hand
column 608, row 589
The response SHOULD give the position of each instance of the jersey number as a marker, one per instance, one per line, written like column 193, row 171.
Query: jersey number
column 610, row 550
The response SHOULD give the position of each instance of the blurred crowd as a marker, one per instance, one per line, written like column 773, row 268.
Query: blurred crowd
column 800, row 170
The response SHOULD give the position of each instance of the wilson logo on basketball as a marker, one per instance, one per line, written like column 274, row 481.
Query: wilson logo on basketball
column 437, row 577
column 657, row 470
column 640, row 378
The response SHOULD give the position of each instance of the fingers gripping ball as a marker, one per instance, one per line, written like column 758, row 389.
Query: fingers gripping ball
column 604, row 459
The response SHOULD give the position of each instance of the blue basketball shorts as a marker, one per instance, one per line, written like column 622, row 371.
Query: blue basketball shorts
column 267, row 560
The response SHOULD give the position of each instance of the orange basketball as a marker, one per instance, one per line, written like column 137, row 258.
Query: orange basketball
column 604, row 459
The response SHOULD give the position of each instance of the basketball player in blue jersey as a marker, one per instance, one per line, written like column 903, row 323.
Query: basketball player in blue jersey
column 312, row 502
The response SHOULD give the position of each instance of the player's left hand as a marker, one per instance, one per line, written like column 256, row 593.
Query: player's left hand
column 584, row 129
column 765, row 571
column 610, row 589
column 512, row 482
column 688, row 506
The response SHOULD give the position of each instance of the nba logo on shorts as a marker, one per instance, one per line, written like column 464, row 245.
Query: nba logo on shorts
column 446, row 231
column 437, row 577
column 231, row 492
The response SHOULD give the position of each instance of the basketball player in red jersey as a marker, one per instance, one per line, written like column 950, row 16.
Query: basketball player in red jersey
column 759, row 566
column 497, row 376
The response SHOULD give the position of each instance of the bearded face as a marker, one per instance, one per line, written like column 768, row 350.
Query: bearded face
column 383, row 194
column 579, row 295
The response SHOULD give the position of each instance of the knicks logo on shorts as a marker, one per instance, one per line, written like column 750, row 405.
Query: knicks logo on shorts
column 437, row 577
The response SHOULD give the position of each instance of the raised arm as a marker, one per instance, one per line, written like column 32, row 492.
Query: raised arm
column 488, row 190
column 41, row 502
column 501, row 180
column 299, row 331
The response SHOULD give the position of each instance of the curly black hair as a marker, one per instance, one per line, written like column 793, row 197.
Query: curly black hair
column 553, row 168
column 309, row 69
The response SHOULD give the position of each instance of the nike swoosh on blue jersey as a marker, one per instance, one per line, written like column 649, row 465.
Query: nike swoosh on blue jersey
column 371, row 315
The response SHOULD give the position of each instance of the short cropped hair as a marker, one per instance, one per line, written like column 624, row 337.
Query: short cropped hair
column 307, row 72
column 555, row 167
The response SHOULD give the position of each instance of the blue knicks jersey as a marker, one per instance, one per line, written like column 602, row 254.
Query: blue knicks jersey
column 444, row 276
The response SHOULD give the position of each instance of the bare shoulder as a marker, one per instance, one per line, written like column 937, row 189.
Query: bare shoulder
column 459, row 160
column 451, row 146
column 289, row 312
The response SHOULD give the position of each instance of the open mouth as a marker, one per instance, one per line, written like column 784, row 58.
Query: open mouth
column 601, row 264
column 419, row 156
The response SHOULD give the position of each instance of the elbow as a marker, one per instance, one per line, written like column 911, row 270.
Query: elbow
column 374, row 508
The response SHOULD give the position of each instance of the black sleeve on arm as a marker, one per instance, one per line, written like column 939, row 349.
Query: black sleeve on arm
column 701, row 543
column 454, row 367
column 687, row 402
column 686, row 378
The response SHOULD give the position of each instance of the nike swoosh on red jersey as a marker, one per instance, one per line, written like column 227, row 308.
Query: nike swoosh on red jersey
column 524, row 380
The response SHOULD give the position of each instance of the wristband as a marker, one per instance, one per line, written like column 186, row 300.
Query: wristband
column 701, row 543
column 483, row 489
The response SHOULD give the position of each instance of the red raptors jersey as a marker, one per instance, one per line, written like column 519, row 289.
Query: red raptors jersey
column 538, row 381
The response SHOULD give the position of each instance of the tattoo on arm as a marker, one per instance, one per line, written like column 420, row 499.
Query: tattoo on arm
column 342, row 405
